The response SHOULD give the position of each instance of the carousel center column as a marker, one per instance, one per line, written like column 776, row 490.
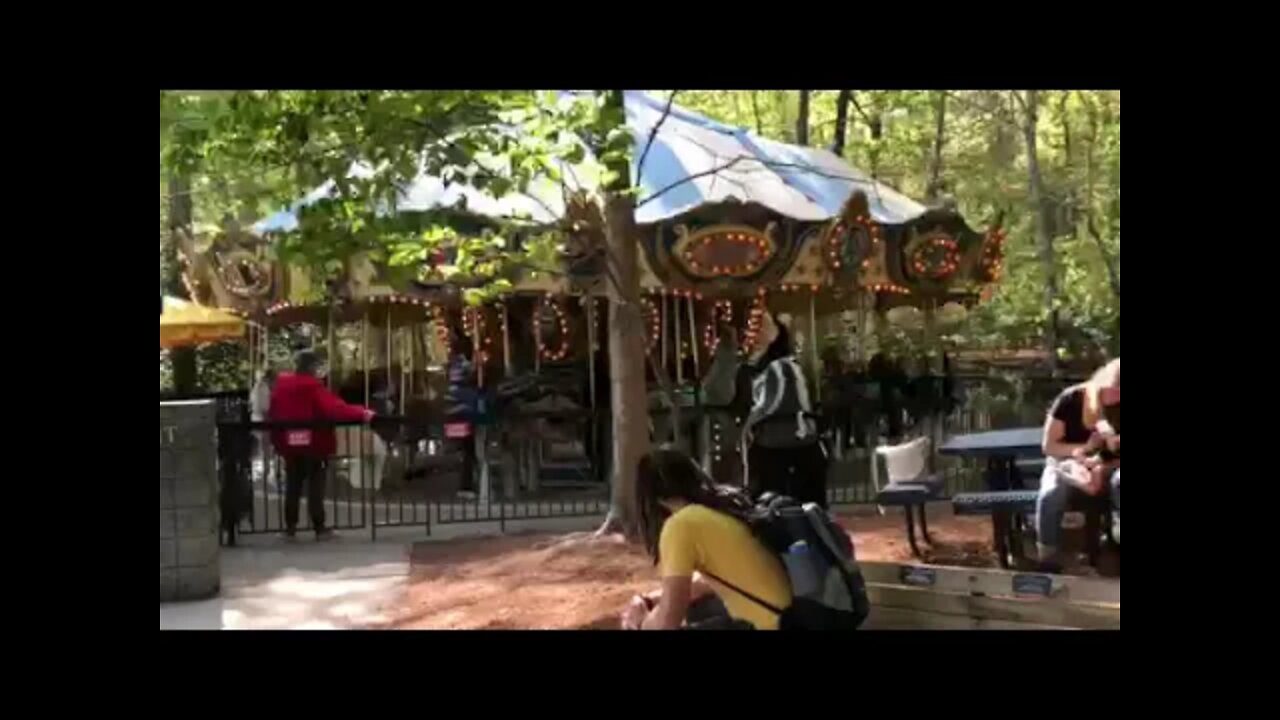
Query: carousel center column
column 190, row 567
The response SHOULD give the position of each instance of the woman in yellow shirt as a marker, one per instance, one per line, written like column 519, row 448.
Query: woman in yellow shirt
column 694, row 528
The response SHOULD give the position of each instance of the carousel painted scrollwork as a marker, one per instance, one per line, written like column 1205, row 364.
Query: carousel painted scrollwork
column 991, row 262
column 935, row 256
column 653, row 323
column 853, row 241
column 557, row 349
column 244, row 274
column 721, row 312
column 724, row 251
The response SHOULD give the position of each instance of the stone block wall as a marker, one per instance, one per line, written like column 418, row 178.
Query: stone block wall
column 189, row 553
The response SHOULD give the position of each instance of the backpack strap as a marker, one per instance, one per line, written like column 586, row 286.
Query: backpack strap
column 823, row 532
column 767, row 606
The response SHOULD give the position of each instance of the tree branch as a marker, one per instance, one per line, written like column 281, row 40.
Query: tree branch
column 875, row 184
column 1021, row 102
column 690, row 178
column 853, row 98
column 653, row 133
column 476, row 163
column 841, row 121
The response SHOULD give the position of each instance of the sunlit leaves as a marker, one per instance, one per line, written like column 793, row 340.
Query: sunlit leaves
column 984, row 169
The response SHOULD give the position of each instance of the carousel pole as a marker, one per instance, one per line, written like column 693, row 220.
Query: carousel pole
column 477, row 348
column 594, row 448
column 332, row 343
column 932, row 424
column 591, row 347
column 537, row 335
column 506, row 341
column 388, row 386
column 406, row 363
column 862, row 329
column 675, row 316
column 693, row 339
column 813, row 342
column 253, row 362
column 364, row 352
column 664, row 327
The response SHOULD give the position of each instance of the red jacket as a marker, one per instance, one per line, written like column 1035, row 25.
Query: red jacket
column 303, row 398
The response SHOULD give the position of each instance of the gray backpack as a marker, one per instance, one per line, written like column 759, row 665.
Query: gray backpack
column 780, row 413
column 828, row 591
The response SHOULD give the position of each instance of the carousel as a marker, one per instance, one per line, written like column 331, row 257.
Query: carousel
column 732, row 226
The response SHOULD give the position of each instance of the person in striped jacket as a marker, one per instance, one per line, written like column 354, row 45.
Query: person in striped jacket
column 780, row 437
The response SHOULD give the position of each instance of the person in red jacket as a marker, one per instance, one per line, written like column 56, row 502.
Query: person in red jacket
column 301, row 397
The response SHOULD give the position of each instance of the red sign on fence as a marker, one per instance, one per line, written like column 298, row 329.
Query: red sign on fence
column 457, row 430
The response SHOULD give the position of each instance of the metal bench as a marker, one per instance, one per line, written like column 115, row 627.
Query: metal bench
column 910, row 485
column 912, row 496
column 1007, row 509
column 984, row 503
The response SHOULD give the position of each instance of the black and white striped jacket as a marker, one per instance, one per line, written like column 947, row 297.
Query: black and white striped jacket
column 780, row 407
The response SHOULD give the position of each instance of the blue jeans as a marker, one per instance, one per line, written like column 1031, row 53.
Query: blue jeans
column 1115, row 504
column 1056, row 497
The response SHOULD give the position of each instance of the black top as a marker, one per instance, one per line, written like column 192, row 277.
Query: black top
column 1069, row 408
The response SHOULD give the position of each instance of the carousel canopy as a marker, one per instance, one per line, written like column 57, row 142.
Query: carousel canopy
column 729, row 163
column 733, row 163
column 543, row 202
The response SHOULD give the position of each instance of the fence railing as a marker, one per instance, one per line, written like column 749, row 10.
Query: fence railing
column 392, row 473
column 401, row 473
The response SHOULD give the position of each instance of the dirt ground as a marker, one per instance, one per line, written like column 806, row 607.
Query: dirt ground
column 577, row 581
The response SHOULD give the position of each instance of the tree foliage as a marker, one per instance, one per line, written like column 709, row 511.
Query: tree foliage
column 983, row 168
column 247, row 153
column 253, row 151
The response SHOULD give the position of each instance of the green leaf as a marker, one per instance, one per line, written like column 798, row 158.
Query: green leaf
column 576, row 155
column 500, row 186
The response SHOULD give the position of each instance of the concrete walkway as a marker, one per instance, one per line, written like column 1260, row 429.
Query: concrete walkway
column 268, row 584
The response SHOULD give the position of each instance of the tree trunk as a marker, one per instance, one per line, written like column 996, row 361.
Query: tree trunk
column 1070, row 201
column 1113, row 276
column 802, row 119
column 1044, row 238
column 934, row 188
column 184, row 359
column 626, row 343
column 755, row 109
column 842, row 121
column 875, row 123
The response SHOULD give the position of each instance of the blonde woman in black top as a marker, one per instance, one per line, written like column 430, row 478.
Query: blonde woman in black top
column 1073, row 442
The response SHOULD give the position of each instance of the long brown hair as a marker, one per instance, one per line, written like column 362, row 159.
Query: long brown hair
column 669, row 474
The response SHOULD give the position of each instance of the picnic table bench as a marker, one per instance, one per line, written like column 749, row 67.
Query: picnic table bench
column 1006, row 499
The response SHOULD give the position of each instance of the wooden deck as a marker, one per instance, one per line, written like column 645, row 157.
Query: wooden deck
column 936, row 597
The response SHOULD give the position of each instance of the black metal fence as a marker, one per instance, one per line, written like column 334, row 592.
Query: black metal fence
column 390, row 474
column 976, row 404
column 398, row 473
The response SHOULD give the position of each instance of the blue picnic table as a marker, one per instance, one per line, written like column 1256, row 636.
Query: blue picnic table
column 1001, row 449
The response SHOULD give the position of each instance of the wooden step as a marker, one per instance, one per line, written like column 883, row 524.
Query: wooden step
column 945, row 597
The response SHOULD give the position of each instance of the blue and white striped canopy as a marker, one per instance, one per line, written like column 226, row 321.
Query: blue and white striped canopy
column 693, row 161
column 803, row 183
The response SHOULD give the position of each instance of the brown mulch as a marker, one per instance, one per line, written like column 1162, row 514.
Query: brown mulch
column 578, row 581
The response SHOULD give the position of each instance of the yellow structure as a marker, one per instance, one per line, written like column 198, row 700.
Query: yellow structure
column 185, row 323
